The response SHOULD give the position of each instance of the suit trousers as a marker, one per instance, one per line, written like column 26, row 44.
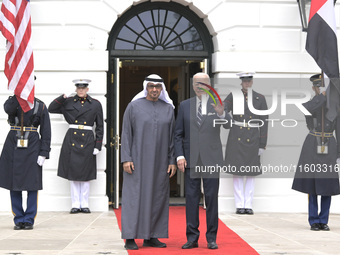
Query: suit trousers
column 313, row 215
column 80, row 194
column 31, row 209
column 192, row 198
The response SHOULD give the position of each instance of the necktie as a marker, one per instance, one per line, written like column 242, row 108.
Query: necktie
column 199, row 114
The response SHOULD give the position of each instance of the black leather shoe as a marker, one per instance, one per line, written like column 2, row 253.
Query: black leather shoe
column 85, row 210
column 75, row 210
column 154, row 242
column 249, row 211
column 19, row 225
column 212, row 245
column 324, row 227
column 130, row 244
column 28, row 226
column 240, row 211
column 315, row 227
column 190, row 245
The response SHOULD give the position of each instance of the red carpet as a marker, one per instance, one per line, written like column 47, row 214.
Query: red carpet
column 228, row 241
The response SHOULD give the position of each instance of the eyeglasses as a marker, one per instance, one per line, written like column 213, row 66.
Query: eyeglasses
column 151, row 86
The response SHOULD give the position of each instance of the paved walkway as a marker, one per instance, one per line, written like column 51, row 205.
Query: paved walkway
column 98, row 233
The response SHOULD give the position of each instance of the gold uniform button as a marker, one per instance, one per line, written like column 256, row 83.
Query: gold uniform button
column 248, row 128
column 239, row 139
column 83, row 134
column 250, row 117
column 76, row 121
column 248, row 140
column 75, row 133
column 72, row 144
column 84, row 122
column 82, row 146
column 241, row 116
column 240, row 127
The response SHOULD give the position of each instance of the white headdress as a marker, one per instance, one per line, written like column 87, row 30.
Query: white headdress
column 164, row 94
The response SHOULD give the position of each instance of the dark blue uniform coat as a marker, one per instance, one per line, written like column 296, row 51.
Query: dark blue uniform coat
column 316, row 173
column 244, row 142
column 76, row 161
column 19, row 170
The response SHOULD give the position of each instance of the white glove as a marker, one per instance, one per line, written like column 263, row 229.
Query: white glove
column 69, row 94
column 261, row 151
column 338, row 160
column 41, row 160
column 322, row 89
column 95, row 151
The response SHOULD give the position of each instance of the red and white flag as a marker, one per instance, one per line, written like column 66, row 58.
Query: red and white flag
column 322, row 45
column 15, row 25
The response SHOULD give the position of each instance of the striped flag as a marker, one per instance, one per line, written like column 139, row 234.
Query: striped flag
column 15, row 25
column 322, row 44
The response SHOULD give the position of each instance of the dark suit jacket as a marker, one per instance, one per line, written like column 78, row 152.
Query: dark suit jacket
column 192, row 140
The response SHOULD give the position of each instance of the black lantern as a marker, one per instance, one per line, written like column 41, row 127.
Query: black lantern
column 304, row 8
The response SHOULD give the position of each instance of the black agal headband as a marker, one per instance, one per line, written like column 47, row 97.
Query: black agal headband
column 154, row 80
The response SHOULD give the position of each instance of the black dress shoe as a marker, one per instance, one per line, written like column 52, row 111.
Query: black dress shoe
column 212, row 245
column 190, row 245
column 85, row 210
column 249, row 211
column 240, row 211
column 315, row 227
column 130, row 244
column 19, row 225
column 75, row 210
column 28, row 226
column 324, row 227
column 154, row 242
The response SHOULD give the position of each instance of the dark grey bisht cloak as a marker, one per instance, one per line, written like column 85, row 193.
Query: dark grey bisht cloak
column 147, row 141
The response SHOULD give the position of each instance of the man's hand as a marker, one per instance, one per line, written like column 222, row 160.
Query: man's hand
column 323, row 90
column 128, row 167
column 41, row 160
column 261, row 150
column 172, row 170
column 219, row 108
column 181, row 164
column 95, row 151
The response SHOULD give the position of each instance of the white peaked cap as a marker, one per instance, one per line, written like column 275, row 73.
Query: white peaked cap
column 245, row 74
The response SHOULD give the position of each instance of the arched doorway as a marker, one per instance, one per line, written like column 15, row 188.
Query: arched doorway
column 153, row 37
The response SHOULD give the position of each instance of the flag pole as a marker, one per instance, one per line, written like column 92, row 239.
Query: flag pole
column 322, row 116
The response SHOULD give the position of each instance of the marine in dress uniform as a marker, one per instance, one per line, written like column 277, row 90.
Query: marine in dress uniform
column 245, row 144
column 23, row 154
column 77, row 161
column 316, row 173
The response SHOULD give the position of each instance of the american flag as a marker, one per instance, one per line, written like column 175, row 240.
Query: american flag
column 15, row 25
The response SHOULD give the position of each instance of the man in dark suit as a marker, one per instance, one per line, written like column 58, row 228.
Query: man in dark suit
column 197, row 146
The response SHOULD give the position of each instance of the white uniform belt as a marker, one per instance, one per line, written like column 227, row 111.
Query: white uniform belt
column 80, row 127
column 245, row 124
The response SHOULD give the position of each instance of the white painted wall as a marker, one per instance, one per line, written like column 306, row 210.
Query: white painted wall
column 69, row 40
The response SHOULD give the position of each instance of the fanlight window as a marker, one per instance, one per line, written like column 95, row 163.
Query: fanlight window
column 159, row 29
